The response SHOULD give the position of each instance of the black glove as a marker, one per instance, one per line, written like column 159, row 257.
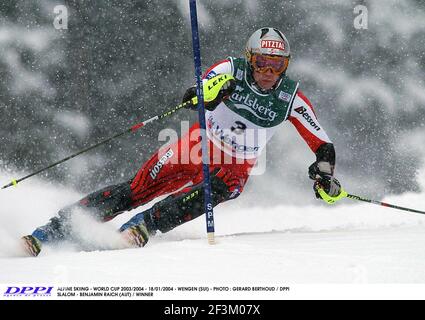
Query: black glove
column 322, row 174
column 188, row 95
column 224, row 92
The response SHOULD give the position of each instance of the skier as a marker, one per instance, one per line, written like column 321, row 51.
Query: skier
column 247, row 112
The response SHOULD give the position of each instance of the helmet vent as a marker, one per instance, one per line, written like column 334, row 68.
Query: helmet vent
column 279, row 33
column 264, row 32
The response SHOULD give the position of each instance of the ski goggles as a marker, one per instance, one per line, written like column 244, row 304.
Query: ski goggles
column 262, row 63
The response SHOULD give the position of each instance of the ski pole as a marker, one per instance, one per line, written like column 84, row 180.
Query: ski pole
column 343, row 194
column 384, row 204
column 211, row 89
column 134, row 128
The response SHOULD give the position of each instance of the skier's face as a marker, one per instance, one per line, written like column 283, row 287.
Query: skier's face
column 265, row 80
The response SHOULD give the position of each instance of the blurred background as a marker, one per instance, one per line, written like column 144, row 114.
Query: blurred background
column 120, row 62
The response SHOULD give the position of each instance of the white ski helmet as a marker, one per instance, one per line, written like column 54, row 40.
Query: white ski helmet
column 268, row 41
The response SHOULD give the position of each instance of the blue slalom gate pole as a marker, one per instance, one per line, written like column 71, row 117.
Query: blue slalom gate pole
column 209, row 213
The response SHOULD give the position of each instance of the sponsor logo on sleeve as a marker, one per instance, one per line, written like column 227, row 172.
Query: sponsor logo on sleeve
column 303, row 111
column 211, row 74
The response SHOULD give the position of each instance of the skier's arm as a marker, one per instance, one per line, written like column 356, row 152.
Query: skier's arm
column 305, row 121
column 222, row 67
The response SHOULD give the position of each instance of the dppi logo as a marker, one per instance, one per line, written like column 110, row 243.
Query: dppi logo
column 28, row 291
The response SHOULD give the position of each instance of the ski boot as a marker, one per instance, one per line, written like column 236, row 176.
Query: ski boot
column 31, row 245
column 135, row 232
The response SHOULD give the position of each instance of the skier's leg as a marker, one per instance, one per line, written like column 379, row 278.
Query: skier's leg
column 103, row 204
column 163, row 173
column 227, row 182
column 175, row 210
column 168, row 170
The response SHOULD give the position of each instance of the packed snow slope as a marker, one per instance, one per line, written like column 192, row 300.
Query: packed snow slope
column 345, row 243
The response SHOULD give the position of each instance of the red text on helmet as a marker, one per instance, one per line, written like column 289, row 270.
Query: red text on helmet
column 273, row 44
